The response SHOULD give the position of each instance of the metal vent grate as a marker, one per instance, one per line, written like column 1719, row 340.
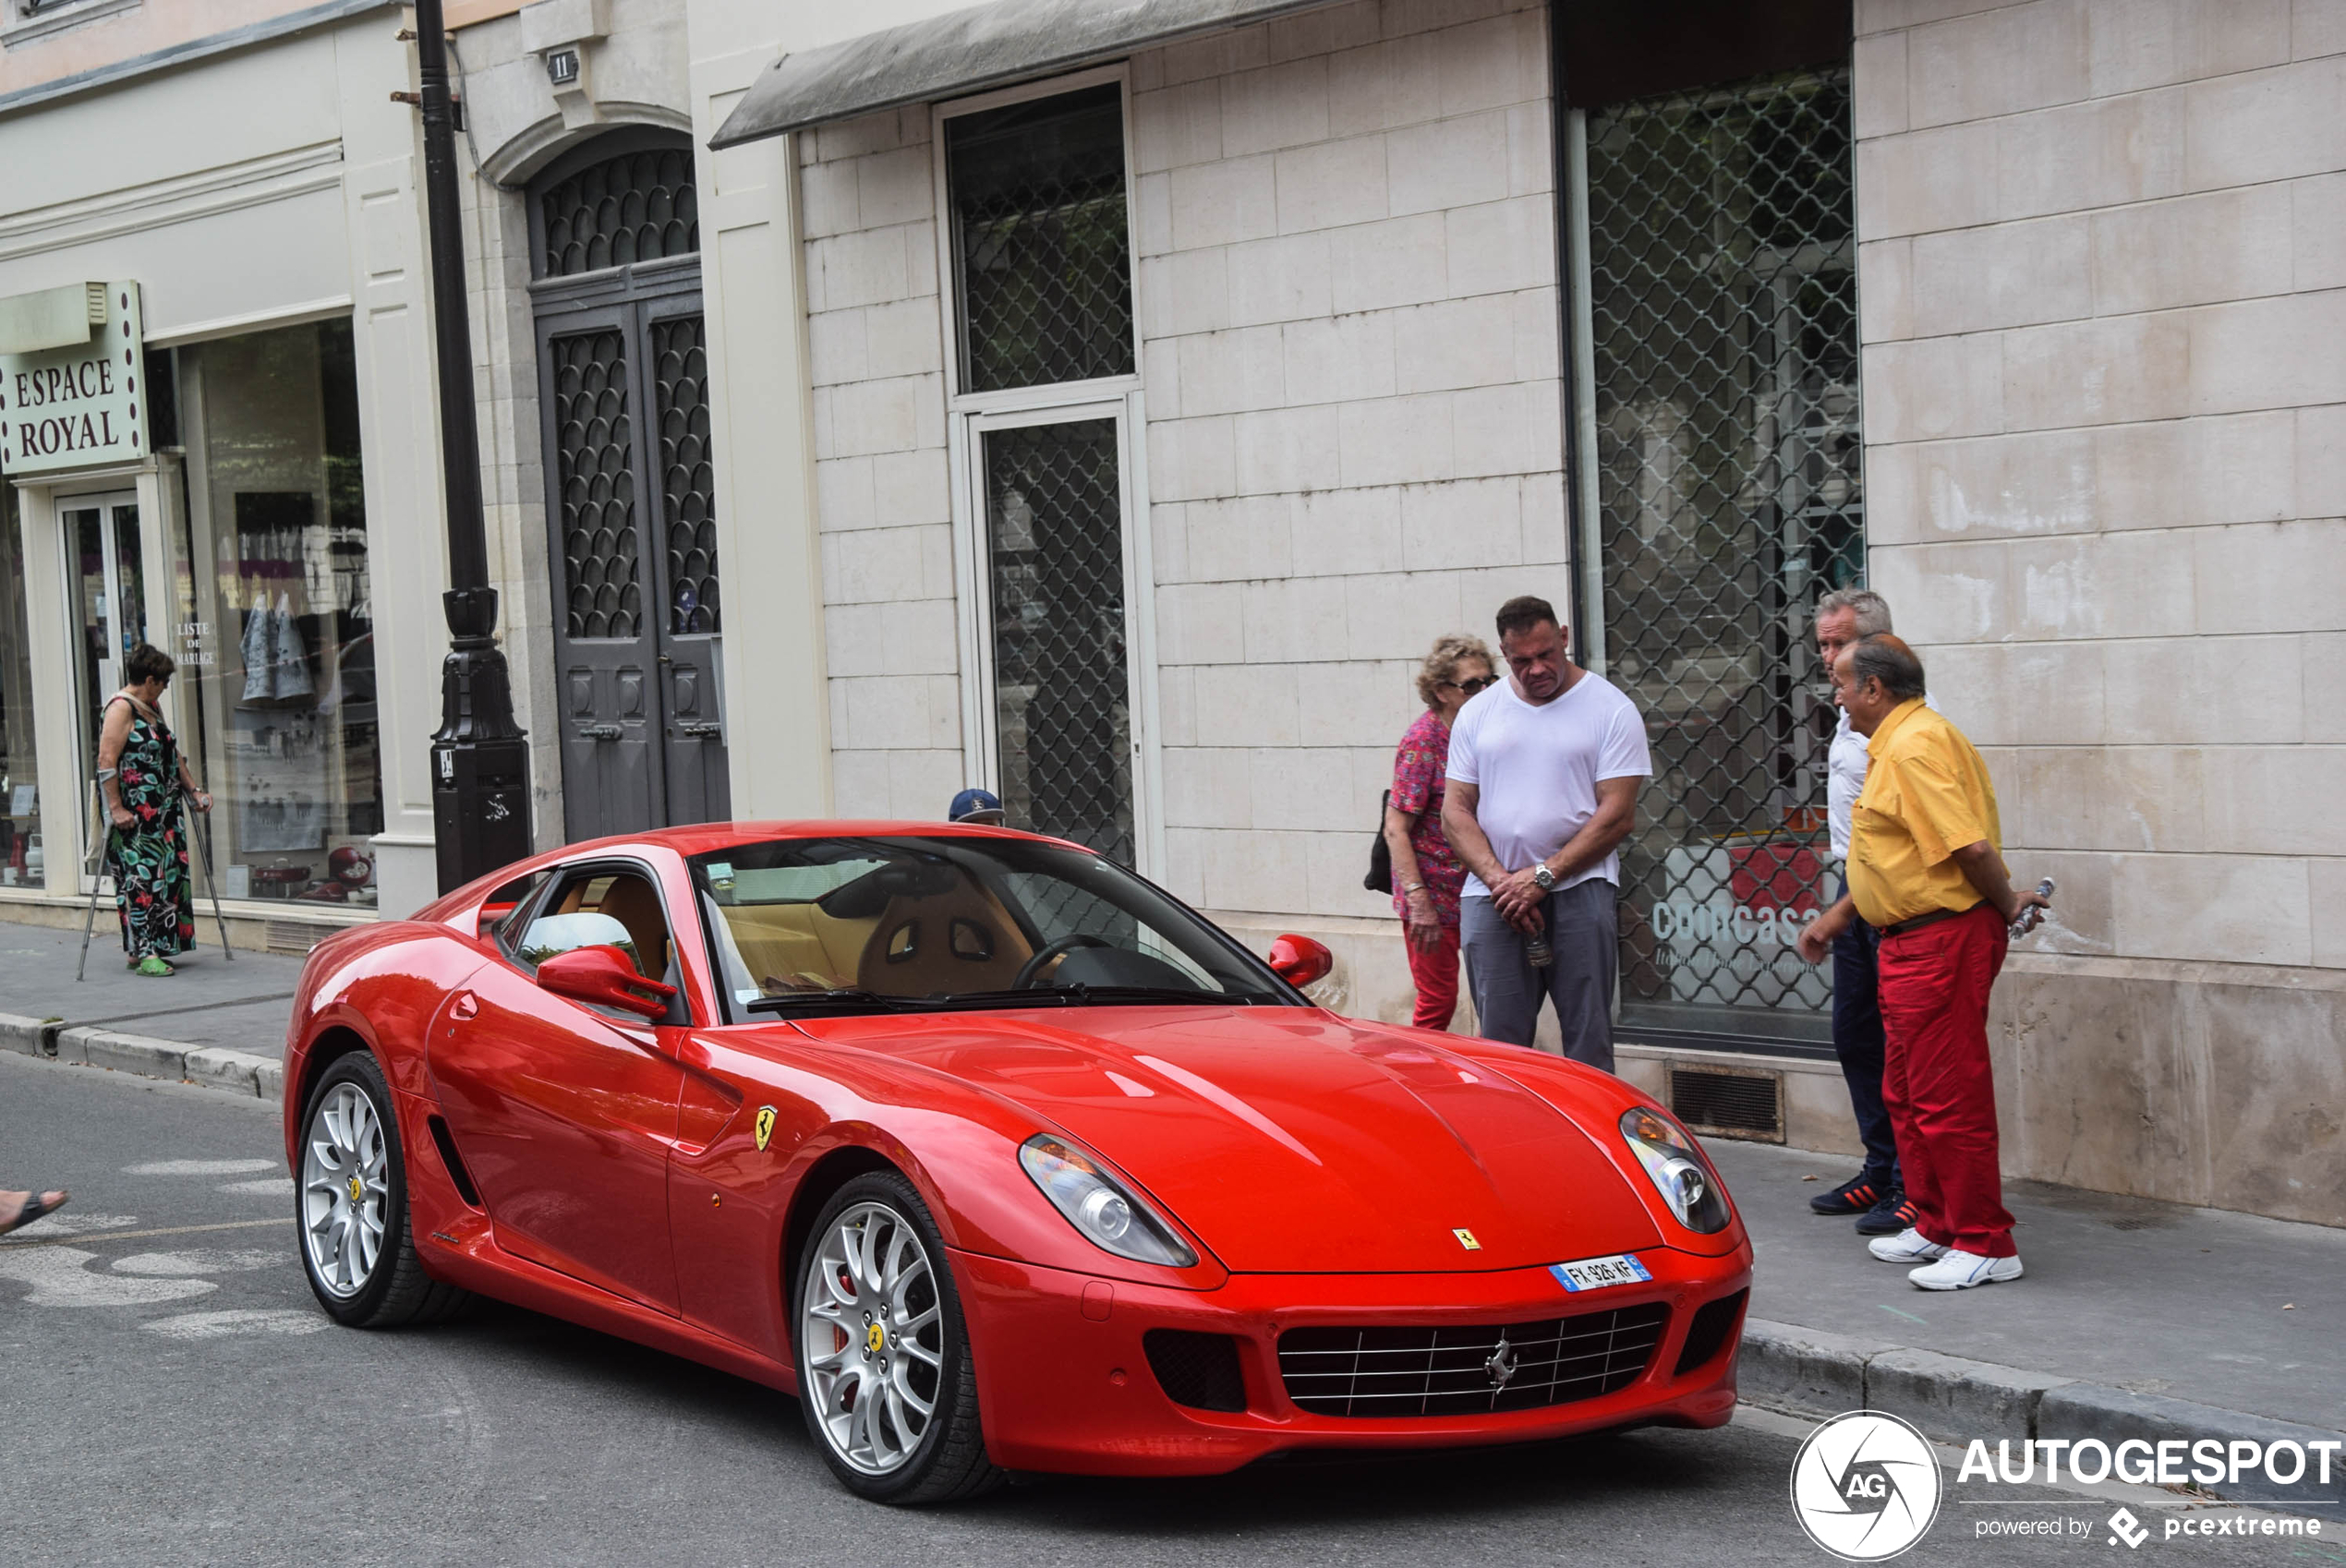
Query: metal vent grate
column 291, row 936
column 687, row 473
column 1729, row 1102
column 1421, row 1371
column 594, row 466
column 1722, row 326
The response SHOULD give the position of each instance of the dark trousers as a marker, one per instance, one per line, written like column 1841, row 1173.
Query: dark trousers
column 1585, row 932
column 1858, row 1040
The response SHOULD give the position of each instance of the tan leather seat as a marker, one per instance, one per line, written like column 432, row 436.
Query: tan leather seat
column 631, row 902
column 961, row 940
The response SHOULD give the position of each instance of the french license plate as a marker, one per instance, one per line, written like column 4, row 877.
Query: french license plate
column 1595, row 1274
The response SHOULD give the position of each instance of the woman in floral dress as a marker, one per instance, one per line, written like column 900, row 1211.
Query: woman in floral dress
column 142, row 772
column 1426, row 874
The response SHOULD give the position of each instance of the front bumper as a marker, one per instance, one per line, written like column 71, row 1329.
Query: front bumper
column 1064, row 1383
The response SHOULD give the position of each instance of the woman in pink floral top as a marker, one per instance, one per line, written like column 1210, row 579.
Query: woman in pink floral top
column 1426, row 876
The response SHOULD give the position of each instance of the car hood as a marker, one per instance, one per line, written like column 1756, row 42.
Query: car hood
column 1293, row 1141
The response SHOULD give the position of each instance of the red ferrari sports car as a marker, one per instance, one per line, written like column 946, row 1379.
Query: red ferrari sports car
column 996, row 1156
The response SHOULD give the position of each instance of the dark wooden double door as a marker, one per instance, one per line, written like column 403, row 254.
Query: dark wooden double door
column 631, row 512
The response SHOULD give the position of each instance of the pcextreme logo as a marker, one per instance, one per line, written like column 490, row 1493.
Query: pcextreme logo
column 1864, row 1486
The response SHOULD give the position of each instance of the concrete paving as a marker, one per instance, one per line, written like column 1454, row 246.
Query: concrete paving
column 241, row 1003
column 2225, row 1309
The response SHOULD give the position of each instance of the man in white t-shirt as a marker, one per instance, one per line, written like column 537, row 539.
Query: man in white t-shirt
column 1544, row 770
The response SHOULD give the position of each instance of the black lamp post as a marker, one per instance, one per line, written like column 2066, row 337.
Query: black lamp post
column 479, row 756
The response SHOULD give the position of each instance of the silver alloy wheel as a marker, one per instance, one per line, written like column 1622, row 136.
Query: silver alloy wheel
column 346, row 1174
column 872, row 1329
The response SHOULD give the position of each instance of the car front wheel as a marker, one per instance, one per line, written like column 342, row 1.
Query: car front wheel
column 351, row 1202
column 883, row 1353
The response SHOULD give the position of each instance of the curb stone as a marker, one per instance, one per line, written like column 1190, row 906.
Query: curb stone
column 1803, row 1371
column 209, row 1066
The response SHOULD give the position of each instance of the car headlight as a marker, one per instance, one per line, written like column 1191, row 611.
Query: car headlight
column 1109, row 1217
column 1680, row 1174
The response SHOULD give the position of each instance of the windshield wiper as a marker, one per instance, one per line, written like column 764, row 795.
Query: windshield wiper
column 847, row 996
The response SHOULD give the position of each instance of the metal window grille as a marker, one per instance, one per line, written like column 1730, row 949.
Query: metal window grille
column 688, row 474
column 595, row 470
column 1041, row 242
column 636, row 207
column 1054, row 532
column 1723, row 324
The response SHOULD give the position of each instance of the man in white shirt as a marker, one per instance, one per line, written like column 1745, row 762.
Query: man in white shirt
column 1544, row 770
column 1875, row 1195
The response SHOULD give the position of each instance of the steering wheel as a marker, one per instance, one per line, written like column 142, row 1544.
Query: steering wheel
column 1049, row 950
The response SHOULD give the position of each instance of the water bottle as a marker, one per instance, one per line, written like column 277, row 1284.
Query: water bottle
column 2028, row 917
column 1537, row 950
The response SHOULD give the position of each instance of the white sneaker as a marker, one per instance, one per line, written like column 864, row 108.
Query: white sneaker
column 1961, row 1271
column 1906, row 1246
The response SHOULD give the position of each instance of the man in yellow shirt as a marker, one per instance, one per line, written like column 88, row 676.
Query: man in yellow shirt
column 1926, row 871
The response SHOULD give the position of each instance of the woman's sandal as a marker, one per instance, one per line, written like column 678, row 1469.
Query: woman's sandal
column 34, row 1209
column 152, row 966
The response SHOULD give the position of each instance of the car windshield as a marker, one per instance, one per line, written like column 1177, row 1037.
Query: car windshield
column 804, row 927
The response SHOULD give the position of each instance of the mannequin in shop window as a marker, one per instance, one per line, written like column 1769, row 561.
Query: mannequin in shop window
column 144, row 779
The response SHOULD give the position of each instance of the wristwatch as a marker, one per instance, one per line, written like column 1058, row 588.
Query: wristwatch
column 1544, row 878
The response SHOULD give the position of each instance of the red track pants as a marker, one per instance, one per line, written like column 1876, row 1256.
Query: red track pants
column 1936, row 1078
column 1435, row 972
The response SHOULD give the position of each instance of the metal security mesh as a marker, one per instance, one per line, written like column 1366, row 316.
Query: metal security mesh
column 1722, row 300
column 1062, row 709
column 1042, row 242
column 687, row 477
column 594, row 472
column 636, row 207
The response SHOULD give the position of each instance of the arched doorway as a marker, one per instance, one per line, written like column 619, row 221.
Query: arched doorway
column 630, row 488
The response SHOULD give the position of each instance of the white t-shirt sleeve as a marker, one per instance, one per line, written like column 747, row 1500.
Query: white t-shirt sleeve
column 1622, row 753
column 1460, row 766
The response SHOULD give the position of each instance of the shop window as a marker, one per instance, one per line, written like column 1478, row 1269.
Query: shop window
column 20, row 858
column 276, row 641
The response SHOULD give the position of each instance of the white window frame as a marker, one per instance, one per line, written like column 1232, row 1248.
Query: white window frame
column 969, row 416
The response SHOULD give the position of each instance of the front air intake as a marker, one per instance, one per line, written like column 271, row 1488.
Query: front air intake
column 1713, row 1322
column 1200, row 1370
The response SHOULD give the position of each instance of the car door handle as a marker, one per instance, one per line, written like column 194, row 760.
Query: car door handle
column 466, row 1005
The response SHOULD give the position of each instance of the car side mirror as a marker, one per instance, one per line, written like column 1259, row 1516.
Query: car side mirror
column 1298, row 960
column 601, row 977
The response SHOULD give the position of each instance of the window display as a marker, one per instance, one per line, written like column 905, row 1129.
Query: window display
column 20, row 858
column 277, row 626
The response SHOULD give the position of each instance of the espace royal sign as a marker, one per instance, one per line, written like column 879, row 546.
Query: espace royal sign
column 68, row 402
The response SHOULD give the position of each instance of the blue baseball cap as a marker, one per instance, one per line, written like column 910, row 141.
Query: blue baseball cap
column 975, row 805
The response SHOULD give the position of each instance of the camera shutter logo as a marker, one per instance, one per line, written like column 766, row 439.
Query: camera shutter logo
column 1864, row 1486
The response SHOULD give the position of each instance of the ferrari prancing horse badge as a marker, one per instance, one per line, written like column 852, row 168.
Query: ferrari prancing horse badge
column 765, row 1125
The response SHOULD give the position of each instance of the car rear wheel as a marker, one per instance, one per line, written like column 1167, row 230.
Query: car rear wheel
column 351, row 1203
column 883, row 1352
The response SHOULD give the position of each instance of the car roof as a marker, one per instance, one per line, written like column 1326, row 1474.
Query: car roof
column 700, row 838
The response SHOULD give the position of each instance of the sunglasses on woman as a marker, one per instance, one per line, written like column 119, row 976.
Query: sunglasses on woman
column 1471, row 687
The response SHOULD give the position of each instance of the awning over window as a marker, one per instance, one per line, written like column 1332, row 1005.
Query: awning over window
column 966, row 52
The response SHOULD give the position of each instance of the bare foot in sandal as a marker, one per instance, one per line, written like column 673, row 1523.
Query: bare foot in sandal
column 21, row 1209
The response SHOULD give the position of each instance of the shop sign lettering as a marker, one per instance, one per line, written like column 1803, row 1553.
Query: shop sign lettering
column 74, row 407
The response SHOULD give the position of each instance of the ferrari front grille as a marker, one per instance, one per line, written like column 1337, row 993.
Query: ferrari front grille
column 1468, row 1371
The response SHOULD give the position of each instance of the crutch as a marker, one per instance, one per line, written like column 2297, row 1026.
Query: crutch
column 202, row 854
column 96, row 866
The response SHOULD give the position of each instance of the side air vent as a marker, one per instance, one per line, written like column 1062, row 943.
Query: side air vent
column 1729, row 1102
column 453, row 1160
column 1713, row 1322
column 1200, row 1370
